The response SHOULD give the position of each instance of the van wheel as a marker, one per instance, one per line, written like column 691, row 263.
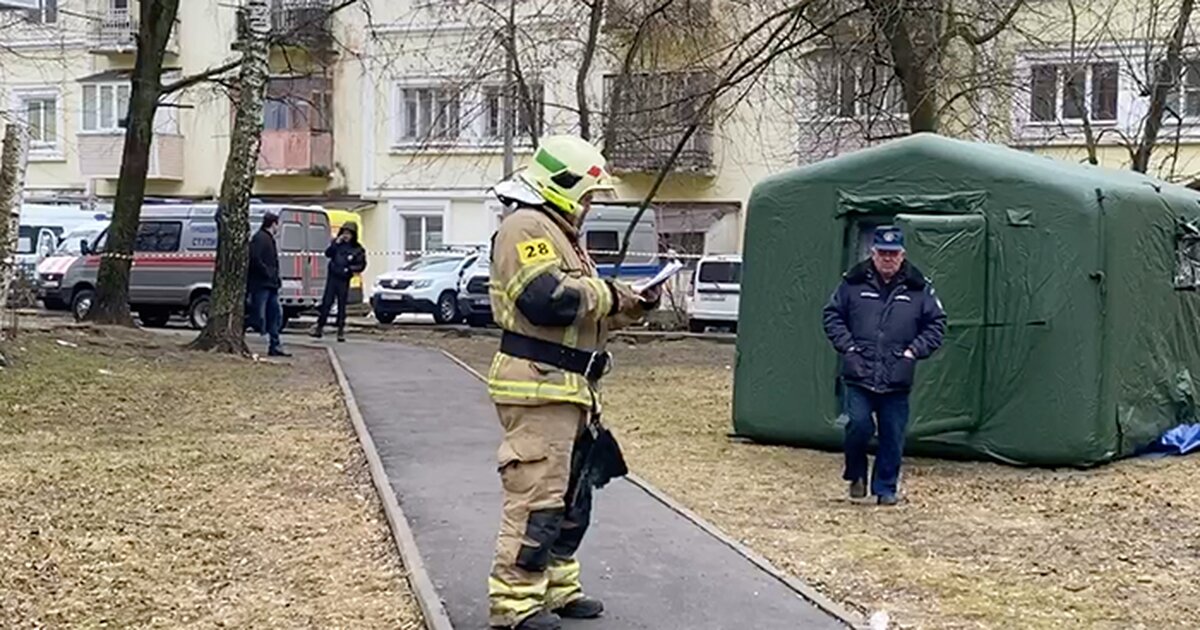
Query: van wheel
column 154, row 318
column 447, row 309
column 81, row 303
column 385, row 318
column 697, row 325
column 198, row 312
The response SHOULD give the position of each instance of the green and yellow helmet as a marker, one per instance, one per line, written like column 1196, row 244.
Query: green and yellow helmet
column 565, row 169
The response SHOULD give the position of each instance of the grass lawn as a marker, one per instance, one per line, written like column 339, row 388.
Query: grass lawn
column 975, row 545
column 142, row 485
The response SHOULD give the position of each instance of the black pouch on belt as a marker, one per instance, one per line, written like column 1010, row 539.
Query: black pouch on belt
column 606, row 461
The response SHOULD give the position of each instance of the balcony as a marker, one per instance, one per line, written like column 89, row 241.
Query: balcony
column 100, row 156
column 303, row 24
column 11, row 5
column 115, row 32
column 296, row 152
column 654, row 112
column 679, row 15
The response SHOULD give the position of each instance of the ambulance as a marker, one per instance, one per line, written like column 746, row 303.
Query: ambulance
column 174, row 255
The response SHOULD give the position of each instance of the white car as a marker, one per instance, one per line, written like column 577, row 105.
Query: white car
column 715, row 293
column 426, row 285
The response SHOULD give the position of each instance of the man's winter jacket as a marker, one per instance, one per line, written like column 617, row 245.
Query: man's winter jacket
column 346, row 259
column 264, row 263
column 871, row 325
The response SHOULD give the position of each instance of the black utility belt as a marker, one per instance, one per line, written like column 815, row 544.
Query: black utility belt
column 591, row 365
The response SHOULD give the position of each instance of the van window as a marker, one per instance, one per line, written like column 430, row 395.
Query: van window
column 158, row 236
column 607, row 241
column 318, row 237
column 293, row 237
column 721, row 272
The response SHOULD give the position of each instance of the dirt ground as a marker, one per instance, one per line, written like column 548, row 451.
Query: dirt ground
column 975, row 545
column 146, row 486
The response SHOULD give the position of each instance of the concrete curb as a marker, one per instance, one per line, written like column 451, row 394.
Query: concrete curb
column 431, row 605
column 805, row 591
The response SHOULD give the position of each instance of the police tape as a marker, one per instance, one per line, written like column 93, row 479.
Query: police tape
column 211, row 254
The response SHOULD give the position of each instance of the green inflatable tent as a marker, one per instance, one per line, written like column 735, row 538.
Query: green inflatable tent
column 1070, row 292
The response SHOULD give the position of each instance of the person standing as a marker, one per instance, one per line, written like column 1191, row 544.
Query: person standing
column 346, row 258
column 556, row 314
column 882, row 319
column 263, row 284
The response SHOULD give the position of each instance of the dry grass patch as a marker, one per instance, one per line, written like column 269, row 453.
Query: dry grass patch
column 976, row 545
column 145, row 486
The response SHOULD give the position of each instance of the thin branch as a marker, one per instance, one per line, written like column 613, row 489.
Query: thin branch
column 200, row 77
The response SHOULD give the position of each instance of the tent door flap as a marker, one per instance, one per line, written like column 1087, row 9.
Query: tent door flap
column 951, row 250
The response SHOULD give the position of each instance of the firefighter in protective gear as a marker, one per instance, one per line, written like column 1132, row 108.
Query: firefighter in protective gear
column 556, row 313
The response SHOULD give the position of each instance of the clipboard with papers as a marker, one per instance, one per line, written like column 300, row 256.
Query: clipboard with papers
column 668, row 271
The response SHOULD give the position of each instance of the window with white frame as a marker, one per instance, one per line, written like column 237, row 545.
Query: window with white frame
column 46, row 13
column 106, row 107
column 1061, row 92
column 524, row 118
column 855, row 86
column 428, row 113
column 1184, row 99
column 40, row 111
column 422, row 233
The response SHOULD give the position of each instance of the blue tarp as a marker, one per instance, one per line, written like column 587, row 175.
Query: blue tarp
column 1180, row 440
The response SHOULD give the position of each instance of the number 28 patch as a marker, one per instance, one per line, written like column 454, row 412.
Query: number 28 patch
column 535, row 250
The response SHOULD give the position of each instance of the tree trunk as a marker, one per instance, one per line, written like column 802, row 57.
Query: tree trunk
column 226, row 330
column 914, row 59
column 112, row 282
column 12, row 187
column 595, row 21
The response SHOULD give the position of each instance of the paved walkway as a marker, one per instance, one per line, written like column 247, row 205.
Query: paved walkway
column 436, row 432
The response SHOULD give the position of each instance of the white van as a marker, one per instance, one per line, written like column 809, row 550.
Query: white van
column 41, row 230
column 715, row 292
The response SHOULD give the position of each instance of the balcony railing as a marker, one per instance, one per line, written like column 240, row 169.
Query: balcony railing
column 307, row 23
column 116, row 32
column 651, row 118
column 100, row 155
column 296, row 152
column 677, row 16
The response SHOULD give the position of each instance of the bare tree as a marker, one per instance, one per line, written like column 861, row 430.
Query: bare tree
column 112, row 283
column 225, row 328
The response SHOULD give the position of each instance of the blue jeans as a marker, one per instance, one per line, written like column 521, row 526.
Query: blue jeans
column 891, row 412
column 266, row 314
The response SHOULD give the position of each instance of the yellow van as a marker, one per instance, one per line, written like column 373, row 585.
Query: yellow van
column 338, row 218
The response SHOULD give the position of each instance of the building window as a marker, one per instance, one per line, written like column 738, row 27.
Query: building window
column 105, row 106
column 1062, row 92
column 524, row 119
column 848, row 86
column 422, row 233
column 1187, row 255
column 46, row 13
column 41, row 115
column 428, row 113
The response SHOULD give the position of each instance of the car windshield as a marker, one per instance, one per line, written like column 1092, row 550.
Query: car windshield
column 433, row 265
column 721, row 272
column 70, row 242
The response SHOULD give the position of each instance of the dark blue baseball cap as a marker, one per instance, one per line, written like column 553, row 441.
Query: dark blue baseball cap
column 889, row 238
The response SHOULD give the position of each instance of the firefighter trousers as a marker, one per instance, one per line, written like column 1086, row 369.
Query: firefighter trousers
column 544, row 516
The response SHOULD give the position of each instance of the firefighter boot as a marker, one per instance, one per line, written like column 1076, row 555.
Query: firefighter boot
column 541, row 620
column 582, row 608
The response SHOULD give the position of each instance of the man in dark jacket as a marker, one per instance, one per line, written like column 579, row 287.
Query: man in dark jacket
column 346, row 258
column 883, row 318
column 263, row 284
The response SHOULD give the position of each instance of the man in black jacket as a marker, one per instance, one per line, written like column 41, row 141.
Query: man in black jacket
column 346, row 258
column 883, row 318
column 263, row 283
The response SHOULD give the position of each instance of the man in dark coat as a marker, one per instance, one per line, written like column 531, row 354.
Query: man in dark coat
column 883, row 318
column 263, row 284
column 346, row 258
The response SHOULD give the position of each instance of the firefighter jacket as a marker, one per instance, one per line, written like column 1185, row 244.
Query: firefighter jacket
column 544, row 285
